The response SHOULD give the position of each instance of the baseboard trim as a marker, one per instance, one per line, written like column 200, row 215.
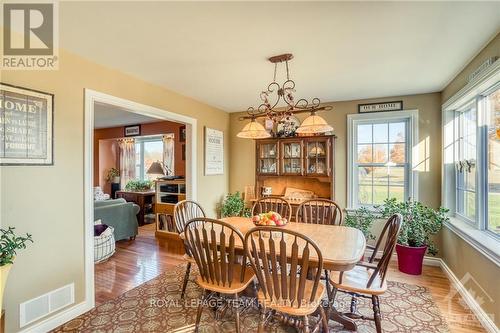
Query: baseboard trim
column 60, row 318
column 483, row 318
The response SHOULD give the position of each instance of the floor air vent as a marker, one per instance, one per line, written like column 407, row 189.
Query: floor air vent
column 43, row 305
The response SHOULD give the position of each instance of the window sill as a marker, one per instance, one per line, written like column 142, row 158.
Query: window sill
column 487, row 244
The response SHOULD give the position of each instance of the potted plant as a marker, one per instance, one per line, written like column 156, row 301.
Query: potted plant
column 362, row 219
column 139, row 185
column 113, row 176
column 9, row 244
column 233, row 205
column 419, row 224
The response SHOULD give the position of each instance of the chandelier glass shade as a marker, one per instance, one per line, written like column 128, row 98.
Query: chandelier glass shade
column 253, row 130
column 270, row 108
column 314, row 124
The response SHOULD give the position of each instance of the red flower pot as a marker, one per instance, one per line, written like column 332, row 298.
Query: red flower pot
column 410, row 259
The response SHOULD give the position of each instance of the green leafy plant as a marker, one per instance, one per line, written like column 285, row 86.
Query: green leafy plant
column 362, row 219
column 111, row 174
column 419, row 222
column 139, row 185
column 233, row 205
column 10, row 243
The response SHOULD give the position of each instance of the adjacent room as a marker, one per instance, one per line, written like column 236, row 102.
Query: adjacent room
column 250, row 166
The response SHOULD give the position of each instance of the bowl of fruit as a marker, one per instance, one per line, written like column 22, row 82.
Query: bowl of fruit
column 269, row 219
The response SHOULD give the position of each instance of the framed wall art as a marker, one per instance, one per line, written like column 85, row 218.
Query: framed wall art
column 26, row 126
column 134, row 130
column 214, row 152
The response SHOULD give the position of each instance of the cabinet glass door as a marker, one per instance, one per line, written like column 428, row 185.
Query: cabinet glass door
column 317, row 158
column 291, row 158
column 268, row 158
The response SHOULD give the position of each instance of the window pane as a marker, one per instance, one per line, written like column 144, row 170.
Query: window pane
column 365, row 133
column 365, row 154
column 153, row 152
column 365, row 175
column 365, row 195
column 380, row 153
column 396, row 176
column 380, row 193
column 138, row 160
column 380, row 176
column 397, row 132
column 397, row 153
column 397, row 192
column 380, row 133
column 493, row 116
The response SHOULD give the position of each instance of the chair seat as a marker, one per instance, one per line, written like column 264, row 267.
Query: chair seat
column 305, row 309
column 356, row 280
column 236, row 285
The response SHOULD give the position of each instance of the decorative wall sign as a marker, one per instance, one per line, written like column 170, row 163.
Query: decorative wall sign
column 26, row 126
column 132, row 130
column 380, row 107
column 214, row 152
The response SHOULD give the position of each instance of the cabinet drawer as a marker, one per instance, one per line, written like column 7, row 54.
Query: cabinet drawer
column 164, row 209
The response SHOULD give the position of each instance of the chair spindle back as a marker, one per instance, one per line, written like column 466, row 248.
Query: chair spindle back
column 276, row 256
column 319, row 211
column 184, row 211
column 275, row 204
column 212, row 245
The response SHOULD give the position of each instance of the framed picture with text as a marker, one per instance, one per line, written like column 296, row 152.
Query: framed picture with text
column 132, row 130
column 380, row 107
column 26, row 126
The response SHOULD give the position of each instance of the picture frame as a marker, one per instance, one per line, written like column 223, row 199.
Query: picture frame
column 182, row 134
column 380, row 107
column 27, row 134
column 134, row 130
column 214, row 152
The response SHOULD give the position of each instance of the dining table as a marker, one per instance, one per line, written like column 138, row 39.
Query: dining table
column 342, row 247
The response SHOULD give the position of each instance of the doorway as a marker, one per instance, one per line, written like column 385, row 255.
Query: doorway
column 93, row 99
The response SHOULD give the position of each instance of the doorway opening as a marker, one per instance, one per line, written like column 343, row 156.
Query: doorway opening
column 130, row 149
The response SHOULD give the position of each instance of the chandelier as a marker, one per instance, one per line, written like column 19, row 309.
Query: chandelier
column 270, row 107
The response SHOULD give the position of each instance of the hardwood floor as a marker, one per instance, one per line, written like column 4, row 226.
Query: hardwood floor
column 138, row 261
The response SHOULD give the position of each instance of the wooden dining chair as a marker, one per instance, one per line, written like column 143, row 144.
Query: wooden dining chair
column 276, row 254
column 184, row 211
column 319, row 211
column 273, row 203
column 368, row 279
column 212, row 245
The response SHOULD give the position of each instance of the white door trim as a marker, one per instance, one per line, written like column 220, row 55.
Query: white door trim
column 91, row 97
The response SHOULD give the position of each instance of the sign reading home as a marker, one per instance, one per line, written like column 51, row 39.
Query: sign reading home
column 379, row 107
column 25, row 126
column 30, row 36
column 214, row 152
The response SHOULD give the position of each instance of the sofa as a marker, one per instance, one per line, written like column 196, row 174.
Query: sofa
column 119, row 214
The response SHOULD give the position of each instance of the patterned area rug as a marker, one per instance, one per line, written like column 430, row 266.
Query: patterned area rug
column 155, row 306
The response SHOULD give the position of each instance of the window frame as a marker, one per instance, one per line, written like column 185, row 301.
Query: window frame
column 475, row 234
column 409, row 116
column 141, row 141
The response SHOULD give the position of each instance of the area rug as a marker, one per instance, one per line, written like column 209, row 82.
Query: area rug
column 155, row 306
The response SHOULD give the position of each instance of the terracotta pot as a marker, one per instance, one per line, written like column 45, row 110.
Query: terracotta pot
column 4, row 273
column 410, row 259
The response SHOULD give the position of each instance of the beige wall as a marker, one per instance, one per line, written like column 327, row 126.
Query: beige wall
column 461, row 257
column 54, row 194
column 242, row 160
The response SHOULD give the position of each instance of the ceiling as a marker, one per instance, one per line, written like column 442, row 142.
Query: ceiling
column 216, row 52
column 106, row 115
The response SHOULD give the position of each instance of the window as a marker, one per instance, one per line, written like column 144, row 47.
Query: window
column 477, row 161
column 466, row 165
column 380, row 157
column 147, row 151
